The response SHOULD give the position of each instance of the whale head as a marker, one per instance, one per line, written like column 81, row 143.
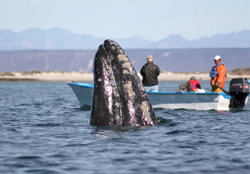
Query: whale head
column 119, row 98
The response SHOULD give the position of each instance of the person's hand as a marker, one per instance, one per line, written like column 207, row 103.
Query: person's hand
column 178, row 90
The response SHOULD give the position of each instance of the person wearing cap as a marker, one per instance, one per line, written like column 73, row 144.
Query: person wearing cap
column 218, row 75
column 150, row 73
column 191, row 86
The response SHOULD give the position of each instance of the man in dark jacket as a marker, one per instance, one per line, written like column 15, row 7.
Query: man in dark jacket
column 150, row 73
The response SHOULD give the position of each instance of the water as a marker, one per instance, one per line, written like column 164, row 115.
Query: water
column 43, row 130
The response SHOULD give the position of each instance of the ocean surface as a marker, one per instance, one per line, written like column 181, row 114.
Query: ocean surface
column 44, row 131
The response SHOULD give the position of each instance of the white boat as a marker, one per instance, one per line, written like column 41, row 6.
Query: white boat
column 167, row 100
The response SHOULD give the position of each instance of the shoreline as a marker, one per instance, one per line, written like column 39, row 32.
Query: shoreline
column 57, row 76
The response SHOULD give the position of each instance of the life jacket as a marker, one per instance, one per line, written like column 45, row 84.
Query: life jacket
column 213, row 72
column 220, row 76
column 194, row 84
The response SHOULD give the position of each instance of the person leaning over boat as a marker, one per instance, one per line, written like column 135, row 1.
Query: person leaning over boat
column 218, row 75
column 150, row 73
column 191, row 86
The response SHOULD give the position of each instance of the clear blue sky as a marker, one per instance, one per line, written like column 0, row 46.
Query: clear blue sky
column 112, row 19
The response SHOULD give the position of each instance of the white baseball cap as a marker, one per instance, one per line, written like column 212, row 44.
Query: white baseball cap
column 217, row 57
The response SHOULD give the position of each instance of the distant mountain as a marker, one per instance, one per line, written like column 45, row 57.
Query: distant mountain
column 174, row 41
column 135, row 42
column 173, row 60
column 231, row 40
column 58, row 39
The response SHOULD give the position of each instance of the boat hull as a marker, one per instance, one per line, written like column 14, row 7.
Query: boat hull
column 166, row 100
column 83, row 93
column 190, row 101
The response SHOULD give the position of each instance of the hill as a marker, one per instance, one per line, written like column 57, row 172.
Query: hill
column 56, row 38
column 173, row 60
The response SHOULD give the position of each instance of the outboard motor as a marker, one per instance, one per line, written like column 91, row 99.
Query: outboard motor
column 239, row 90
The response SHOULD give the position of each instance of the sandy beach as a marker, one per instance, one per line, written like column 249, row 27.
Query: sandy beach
column 60, row 76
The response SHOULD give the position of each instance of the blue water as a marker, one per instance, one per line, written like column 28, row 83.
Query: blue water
column 43, row 130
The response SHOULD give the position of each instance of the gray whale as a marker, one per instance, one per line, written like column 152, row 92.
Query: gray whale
column 119, row 98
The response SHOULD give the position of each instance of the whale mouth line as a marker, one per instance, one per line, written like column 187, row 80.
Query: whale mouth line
column 119, row 98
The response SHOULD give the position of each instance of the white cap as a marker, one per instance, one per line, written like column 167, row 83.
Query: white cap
column 217, row 57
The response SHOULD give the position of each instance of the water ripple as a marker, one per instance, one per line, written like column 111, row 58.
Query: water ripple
column 43, row 130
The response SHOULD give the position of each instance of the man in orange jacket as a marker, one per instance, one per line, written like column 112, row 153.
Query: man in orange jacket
column 218, row 75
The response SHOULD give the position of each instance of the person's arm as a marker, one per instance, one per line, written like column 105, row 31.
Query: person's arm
column 183, row 86
column 199, row 85
column 158, row 71
column 142, row 71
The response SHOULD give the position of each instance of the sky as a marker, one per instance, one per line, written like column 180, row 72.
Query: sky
column 112, row 19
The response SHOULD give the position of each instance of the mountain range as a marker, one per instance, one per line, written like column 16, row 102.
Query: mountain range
column 173, row 60
column 61, row 50
column 61, row 39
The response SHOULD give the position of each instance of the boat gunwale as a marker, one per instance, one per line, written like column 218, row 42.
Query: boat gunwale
column 86, row 85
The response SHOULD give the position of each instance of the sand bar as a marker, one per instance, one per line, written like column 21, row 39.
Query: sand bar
column 58, row 76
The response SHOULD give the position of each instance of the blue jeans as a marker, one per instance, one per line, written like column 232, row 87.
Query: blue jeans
column 151, row 88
